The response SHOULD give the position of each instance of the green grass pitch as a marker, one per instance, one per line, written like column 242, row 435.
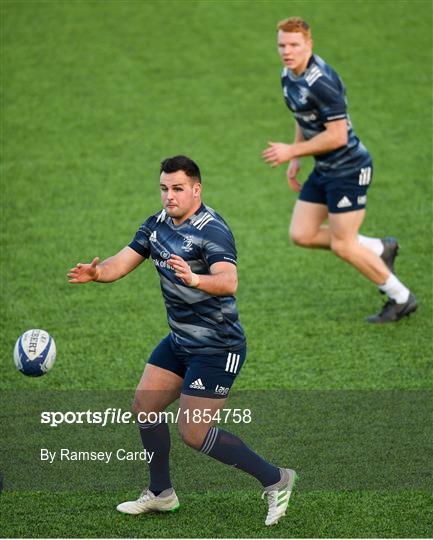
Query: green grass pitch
column 94, row 95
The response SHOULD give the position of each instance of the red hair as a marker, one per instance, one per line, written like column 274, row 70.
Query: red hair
column 295, row 24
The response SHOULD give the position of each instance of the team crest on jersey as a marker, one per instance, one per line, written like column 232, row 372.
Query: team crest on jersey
column 303, row 95
column 188, row 243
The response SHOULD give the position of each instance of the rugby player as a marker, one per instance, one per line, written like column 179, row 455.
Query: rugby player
column 336, row 190
column 194, row 253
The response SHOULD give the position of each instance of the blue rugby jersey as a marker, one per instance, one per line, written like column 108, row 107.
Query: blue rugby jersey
column 318, row 96
column 198, row 320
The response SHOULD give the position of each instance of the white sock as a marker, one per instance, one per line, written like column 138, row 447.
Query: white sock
column 373, row 244
column 395, row 289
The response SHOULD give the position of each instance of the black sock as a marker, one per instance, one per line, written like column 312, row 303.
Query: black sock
column 231, row 450
column 156, row 438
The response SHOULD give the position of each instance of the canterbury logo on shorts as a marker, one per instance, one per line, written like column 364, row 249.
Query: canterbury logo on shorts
column 365, row 176
column 232, row 362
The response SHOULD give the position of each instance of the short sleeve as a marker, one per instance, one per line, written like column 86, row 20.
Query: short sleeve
column 330, row 98
column 141, row 243
column 219, row 246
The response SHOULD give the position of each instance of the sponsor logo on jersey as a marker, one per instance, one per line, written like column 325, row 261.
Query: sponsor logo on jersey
column 153, row 237
column 221, row 390
column 364, row 176
column 162, row 264
column 203, row 220
column 165, row 254
column 313, row 75
column 232, row 362
column 197, row 385
column 344, row 202
column 306, row 117
column 161, row 216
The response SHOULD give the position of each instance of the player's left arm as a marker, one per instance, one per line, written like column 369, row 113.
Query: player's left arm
column 334, row 136
column 222, row 280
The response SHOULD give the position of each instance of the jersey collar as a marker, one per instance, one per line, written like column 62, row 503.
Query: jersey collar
column 294, row 77
column 200, row 209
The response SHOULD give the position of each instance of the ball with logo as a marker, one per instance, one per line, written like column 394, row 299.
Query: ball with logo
column 35, row 353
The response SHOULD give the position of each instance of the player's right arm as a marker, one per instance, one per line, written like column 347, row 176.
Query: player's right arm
column 294, row 164
column 111, row 269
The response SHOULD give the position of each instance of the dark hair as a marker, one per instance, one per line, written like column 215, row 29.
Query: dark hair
column 181, row 163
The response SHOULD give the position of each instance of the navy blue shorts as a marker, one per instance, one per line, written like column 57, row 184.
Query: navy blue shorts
column 343, row 194
column 203, row 375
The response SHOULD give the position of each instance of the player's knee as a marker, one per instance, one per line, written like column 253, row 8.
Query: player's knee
column 191, row 436
column 136, row 406
column 342, row 248
column 139, row 402
column 299, row 237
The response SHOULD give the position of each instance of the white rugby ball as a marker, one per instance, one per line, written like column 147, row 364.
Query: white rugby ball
column 34, row 353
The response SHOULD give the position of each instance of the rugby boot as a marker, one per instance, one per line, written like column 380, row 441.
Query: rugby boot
column 166, row 501
column 390, row 251
column 393, row 312
column 278, row 496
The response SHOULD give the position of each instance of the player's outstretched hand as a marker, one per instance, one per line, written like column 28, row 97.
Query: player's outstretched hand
column 292, row 171
column 277, row 153
column 82, row 273
column 183, row 271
